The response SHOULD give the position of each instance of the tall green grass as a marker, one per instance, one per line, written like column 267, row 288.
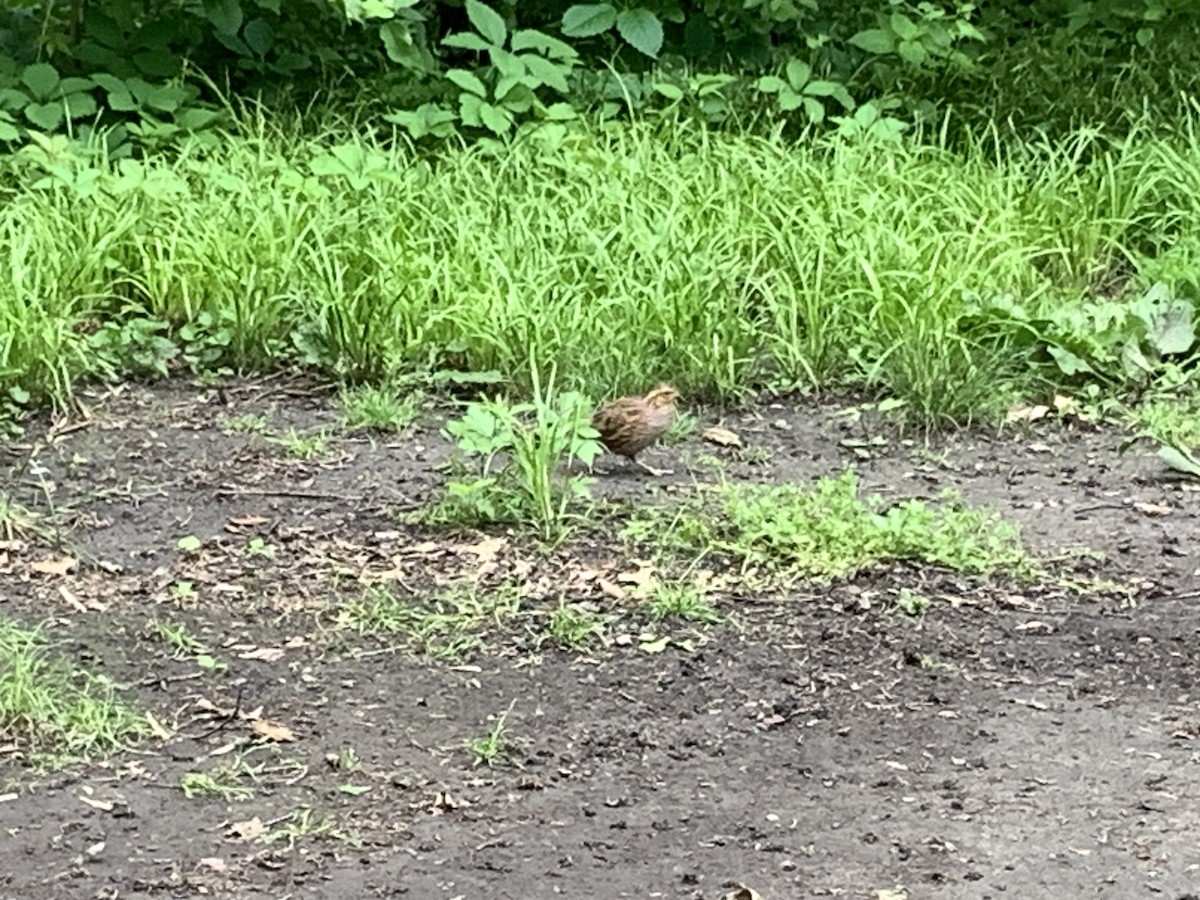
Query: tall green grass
column 727, row 263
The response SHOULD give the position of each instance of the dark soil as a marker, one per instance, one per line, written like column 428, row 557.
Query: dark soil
column 1014, row 742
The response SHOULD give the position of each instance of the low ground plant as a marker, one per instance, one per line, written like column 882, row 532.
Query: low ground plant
column 517, row 461
column 828, row 531
column 55, row 712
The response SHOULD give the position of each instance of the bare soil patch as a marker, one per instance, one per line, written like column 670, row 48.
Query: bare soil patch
column 1012, row 742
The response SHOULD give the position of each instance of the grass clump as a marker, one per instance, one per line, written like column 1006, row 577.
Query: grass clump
column 54, row 712
column 829, row 531
column 449, row 626
column 381, row 407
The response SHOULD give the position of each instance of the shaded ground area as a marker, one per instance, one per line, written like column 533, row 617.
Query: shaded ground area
column 1012, row 742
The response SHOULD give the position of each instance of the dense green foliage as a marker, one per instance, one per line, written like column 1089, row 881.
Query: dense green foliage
column 440, row 68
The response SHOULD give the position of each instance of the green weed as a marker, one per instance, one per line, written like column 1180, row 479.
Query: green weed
column 381, row 407
column 912, row 604
column 248, row 423
column 302, row 446
column 682, row 600
column 828, row 531
column 493, row 746
column 220, row 782
column 517, row 451
column 448, row 626
column 576, row 626
column 53, row 711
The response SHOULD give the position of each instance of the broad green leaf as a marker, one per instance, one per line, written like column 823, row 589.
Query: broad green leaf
column 80, row 106
column 497, row 120
column 668, row 90
column 402, row 49
column 561, row 112
column 507, row 63
column 233, row 42
column 798, row 73
column 487, row 22
column 196, row 119
column 466, row 40
column 75, row 85
column 642, row 30
column 41, row 79
column 912, row 52
column 529, row 39
column 158, row 63
column 815, row 109
column 1180, row 460
column 588, row 19
column 427, row 119
column 505, row 84
column 770, row 84
column 468, row 109
column 46, row 116
column 821, row 88
column 117, row 94
column 166, row 97
column 468, row 81
column 12, row 99
column 547, row 72
column 259, row 36
column 1068, row 363
column 8, row 129
column 874, row 40
column 789, row 99
column 226, row 15
column 904, row 27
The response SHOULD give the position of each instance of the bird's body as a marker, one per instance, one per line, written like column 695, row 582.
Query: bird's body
column 628, row 425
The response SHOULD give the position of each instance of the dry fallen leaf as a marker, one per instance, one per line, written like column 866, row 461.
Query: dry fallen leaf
column 102, row 805
column 272, row 731
column 612, row 590
column 212, row 862
column 1065, row 405
column 247, row 830
column 486, row 550
column 156, row 727
column 743, row 893
column 1152, row 509
column 1023, row 412
column 60, row 566
column 267, row 654
column 238, row 523
column 642, row 579
column 891, row 894
column 721, row 436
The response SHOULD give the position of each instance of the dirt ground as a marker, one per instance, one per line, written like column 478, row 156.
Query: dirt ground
column 1014, row 742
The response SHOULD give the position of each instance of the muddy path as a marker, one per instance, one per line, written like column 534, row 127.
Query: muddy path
column 1011, row 742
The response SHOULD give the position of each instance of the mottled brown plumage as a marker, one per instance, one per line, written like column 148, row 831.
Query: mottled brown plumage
column 629, row 425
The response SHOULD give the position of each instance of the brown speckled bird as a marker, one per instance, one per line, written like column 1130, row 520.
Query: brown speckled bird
column 629, row 425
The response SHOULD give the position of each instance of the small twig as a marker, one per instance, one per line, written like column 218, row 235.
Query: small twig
column 168, row 679
column 301, row 495
column 1098, row 506
column 220, row 726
